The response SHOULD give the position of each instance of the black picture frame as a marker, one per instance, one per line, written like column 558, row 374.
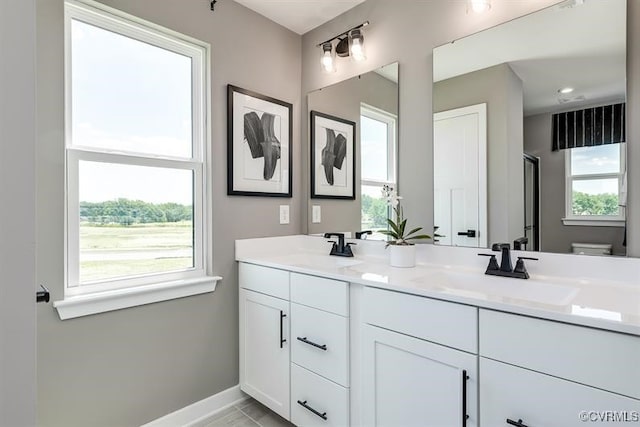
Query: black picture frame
column 259, row 144
column 333, row 147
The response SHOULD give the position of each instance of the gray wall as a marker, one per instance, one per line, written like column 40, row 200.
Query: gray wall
column 131, row 366
column 501, row 89
column 555, row 236
column 343, row 100
column 17, row 213
column 407, row 31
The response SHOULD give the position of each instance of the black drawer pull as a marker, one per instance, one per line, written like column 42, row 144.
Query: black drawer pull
column 306, row 341
column 516, row 423
column 309, row 408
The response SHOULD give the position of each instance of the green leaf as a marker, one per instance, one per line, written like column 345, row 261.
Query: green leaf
column 415, row 230
column 393, row 226
column 420, row 236
column 402, row 227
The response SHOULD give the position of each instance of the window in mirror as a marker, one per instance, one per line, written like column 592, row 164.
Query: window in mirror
column 594, row 178
column 378, row 159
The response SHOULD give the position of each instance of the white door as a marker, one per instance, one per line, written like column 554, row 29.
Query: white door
column 264, row 350
column 410, row 382
column 17, row 213
column 460, row 175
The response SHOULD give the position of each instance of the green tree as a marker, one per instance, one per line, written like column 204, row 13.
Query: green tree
column 595, row 204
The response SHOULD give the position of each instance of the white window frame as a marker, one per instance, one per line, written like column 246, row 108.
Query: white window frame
column 124, row 292
column 391, row 120
column 592, row 220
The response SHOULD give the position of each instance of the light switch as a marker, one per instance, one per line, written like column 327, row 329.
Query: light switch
column 316, row 214
column 284, row 214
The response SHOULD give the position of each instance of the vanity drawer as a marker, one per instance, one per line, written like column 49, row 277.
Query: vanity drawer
column 323, row 329
column 446, row 323
column 603, row 359
column 329, row 400
column 509, row 392
column 270, row 281
column 318, row 292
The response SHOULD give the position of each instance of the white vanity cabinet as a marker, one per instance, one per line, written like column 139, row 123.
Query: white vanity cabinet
column 538, row 373
column 319, row 351
column 412, row 375
column 294, row 344
column 264, row 336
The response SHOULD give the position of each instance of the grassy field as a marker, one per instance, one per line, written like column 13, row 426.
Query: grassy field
column 117, row 251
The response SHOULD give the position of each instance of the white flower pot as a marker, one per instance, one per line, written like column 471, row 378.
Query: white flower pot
column 402, row 256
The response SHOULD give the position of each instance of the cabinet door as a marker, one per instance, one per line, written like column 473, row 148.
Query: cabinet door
column 264, row 350
column 411, row 382
column 515, row 396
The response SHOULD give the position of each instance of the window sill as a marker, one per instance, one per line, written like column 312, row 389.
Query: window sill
column 594, row 222
column 86, row 305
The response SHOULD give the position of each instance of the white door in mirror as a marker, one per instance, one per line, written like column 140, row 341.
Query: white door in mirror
column 460, row 176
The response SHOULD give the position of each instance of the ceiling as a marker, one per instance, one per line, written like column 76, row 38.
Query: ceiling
column 300, row 16
column 568, row 45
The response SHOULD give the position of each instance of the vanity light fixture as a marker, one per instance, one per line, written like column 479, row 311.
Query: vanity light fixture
column 350, row 43
column 478, row 6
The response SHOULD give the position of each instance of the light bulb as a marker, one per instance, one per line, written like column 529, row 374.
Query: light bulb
column 479, row 6
column 327, row 59
column 356, row 50
column 356, row 45
column 327, row 62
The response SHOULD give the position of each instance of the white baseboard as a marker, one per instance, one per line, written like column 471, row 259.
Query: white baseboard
column 197, row 413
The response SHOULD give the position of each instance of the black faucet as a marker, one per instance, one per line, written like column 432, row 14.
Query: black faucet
column 505, row 269
column 362, row 235
column 339, row 248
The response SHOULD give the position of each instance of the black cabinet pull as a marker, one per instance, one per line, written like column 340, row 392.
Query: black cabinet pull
column 306, row 341
column 322, row 415
column 282, row 339
column 465, row 417
column 518, row 423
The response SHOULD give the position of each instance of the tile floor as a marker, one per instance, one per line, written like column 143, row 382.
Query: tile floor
column 248, row 413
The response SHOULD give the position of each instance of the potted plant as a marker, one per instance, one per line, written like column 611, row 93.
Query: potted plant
column 403, row 250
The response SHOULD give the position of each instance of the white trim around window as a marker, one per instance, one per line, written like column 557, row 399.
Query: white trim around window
column 95, row 297
column 592, row 220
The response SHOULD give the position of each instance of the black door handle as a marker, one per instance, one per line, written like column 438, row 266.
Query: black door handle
column 282, row 338
column 465, row 417
column 43, row 295
column 468, row 233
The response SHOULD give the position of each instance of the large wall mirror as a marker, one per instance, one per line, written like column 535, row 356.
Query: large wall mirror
column 370, row 101
column 529, row 127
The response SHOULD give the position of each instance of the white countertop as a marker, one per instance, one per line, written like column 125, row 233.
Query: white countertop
column 610, row 301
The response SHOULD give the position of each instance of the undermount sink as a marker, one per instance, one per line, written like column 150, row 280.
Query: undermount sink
column 319, row 261
column 492, row 286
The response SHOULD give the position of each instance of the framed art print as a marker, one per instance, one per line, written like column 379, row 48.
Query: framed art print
column 333, row 162
column 259, row 136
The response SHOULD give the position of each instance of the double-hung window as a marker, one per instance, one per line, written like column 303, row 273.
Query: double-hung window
column 136, row 169
column 594, row 185
column 378, row 167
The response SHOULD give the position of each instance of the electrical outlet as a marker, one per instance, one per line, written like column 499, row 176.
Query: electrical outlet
column 316, row 214
column 284, row 214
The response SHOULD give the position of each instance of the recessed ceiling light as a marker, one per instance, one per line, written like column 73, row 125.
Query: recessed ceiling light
column 565, row 90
